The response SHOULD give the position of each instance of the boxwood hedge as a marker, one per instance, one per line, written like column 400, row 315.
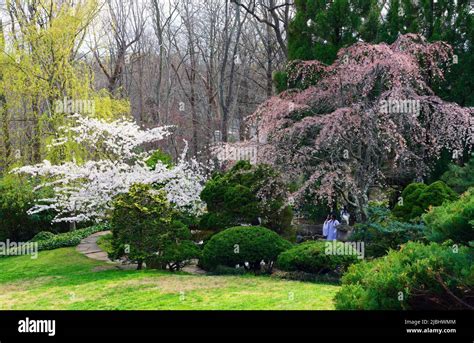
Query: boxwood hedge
column 311, row 257
column 246, row 246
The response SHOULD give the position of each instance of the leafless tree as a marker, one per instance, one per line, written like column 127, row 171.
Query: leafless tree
column 275, row 14
column 122, row 26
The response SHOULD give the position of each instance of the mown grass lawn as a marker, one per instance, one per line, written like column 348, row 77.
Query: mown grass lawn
column 65, row 279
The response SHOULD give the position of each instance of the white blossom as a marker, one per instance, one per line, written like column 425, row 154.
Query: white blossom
column 85, row 192
column 120, row 137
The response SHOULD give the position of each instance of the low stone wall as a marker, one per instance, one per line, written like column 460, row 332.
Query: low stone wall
column 344, row 232
column 305, row 231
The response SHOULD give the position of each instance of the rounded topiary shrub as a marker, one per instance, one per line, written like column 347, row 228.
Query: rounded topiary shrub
column 42, row 236
column 417, row 277
column 418, row 198
column 246, row 246
column 314, row 257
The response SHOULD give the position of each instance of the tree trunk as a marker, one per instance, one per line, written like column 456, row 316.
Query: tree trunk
column 4, row 115
column 36, row 144
column 194, row 116
column 269, row 64
column 361, row 203
column 5, row 132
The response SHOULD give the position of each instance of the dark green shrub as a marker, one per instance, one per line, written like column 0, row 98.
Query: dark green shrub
column 188, row 218
column 380, row 232
column 17, row 196
column 415, row 277
column 137, row 222
column 174, row 256
column 241, row 245
column 314, row 211
column 453, row 220
column 224, row 270
column 242, row 195
column 213, row 221
column 144, row 227
column 280, row 81
column 68, row 239
column 42, row 236
column 460, row 179
column 417, row 198
column 380, row 238
column 332, row 278
column 313, row 257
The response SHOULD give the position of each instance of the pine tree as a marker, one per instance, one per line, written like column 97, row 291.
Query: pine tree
column 322, row 27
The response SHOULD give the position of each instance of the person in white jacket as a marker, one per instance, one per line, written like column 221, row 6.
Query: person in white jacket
column 325, row 226
column 332, row 225
column 345, row 215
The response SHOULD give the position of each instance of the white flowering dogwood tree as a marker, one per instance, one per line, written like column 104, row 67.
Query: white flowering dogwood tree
column 84, row 191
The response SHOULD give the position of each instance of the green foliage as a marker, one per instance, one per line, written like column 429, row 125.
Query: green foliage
column 105, row 242
column 214, row 221
column 144, row 226
column 441, row 166
column 39, row 70
column 454, row 24
column 452, row 221
column 280, row 80
column 42, row 236
column 243, row 244
column 137, row 219
column 412, row 278
column 242, row 195
column 224, row 270
column 393, row 26
column 313, row 257
column 17, row 196
column 67, row 239
column 320, row 28
column 458, row 85
column 175, row 256
column 417, row 198
column 380, row 232
column 316, row 212
column 160, row 156
column 460, row 178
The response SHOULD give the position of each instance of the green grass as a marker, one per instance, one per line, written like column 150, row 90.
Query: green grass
column 65, row 279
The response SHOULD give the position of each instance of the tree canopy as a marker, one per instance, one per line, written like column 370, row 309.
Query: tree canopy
column 371, row 119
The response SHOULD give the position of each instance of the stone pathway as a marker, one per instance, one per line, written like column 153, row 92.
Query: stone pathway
column 89, row 248
column 193, row 268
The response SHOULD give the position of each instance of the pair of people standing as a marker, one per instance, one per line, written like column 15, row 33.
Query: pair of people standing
column 331, row 223
column 330, row 227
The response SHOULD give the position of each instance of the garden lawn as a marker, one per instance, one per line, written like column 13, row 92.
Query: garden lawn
column 63, row 279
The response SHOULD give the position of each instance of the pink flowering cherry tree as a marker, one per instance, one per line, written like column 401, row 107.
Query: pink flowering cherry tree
column 370, row 119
